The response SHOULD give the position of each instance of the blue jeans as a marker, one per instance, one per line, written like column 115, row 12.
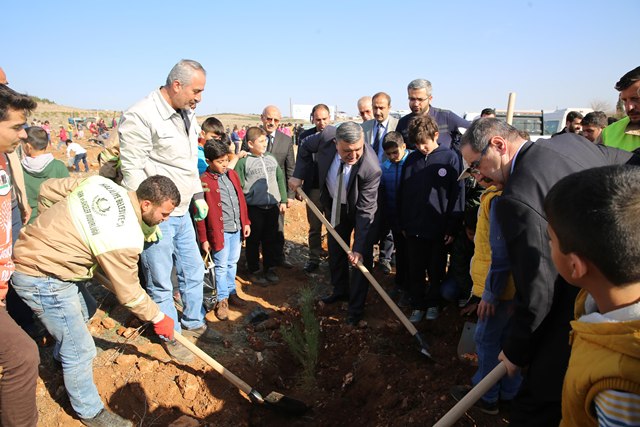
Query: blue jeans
column 64, row 308
column 226, row 265
column 488, row 337
column 76, row 162
column 178, row 245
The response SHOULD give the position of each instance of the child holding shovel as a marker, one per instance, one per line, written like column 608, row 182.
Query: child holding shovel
column 493, row 284
column 226, row 224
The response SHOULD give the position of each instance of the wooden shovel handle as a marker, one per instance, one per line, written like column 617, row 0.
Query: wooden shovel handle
column 228, row 375
column 412, row 329
column 472, row 397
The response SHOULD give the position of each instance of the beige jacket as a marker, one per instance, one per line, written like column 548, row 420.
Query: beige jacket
column 90, row 222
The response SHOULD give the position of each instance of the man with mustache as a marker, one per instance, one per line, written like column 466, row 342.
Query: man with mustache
column 159, row 136
column 625, row 133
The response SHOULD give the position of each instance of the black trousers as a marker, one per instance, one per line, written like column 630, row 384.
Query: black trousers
column 400, row 243
column 429, row 255
column 264, row 228
column 356, row 286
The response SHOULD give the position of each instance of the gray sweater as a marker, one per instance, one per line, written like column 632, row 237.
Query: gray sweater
column 262, row 180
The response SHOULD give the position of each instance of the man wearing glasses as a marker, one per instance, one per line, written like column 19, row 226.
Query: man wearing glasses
column 419, row 91
column 539, row 327
column 281, row 147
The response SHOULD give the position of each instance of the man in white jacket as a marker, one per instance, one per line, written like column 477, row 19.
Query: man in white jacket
column 159, row 135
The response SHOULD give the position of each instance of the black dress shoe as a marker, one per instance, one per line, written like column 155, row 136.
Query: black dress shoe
column 353, row 320
column 310, row 266
column 334, row 298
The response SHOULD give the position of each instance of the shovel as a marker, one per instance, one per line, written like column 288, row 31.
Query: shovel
column 467, row 345
column 472, row 396
column 273, row 399
column 422, row 345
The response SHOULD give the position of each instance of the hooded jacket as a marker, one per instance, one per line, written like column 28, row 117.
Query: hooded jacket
column 37, row 170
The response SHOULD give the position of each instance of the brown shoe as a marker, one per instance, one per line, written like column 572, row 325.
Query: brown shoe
column 222, row 309
column 236, row 301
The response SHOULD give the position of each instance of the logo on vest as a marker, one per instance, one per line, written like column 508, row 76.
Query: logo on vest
column 5, row 183
column 442, row 172
column 100, row 205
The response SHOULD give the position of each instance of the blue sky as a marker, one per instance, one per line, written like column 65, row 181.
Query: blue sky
column 108, row 55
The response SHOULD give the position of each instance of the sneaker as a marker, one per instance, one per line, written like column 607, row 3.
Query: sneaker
column 271, row 276
column 177, row 351
column 432, row 313
column 204, row 333
column 460, row 391
column 236, row 301
column 310, row 267
column 416, row 316
column 257, row 278
column 385, row 265
column 106, row 418
column 222, row 309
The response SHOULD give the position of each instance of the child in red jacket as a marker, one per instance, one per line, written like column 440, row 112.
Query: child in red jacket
column 226, row 224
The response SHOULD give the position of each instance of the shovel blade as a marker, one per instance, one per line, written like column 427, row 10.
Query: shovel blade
column 286, row 404
column 467, row 345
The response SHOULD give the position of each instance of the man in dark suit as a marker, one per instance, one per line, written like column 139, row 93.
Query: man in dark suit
column 345, row 163
column 281, row 147
column 374, row 133
column 321, row 118
column 539, row 328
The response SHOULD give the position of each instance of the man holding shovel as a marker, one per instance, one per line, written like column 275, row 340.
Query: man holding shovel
column 539, row 327
column 349, row 173
column 94, row 222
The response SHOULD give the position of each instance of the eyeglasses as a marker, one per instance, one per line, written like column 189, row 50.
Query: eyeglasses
column 271, row 119
column 473, row 166
column 417, row 99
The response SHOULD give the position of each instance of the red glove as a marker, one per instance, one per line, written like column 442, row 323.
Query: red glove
column 164, row 327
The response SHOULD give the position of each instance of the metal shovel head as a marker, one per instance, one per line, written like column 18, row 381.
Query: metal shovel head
column 467, row 345
column 286, row 404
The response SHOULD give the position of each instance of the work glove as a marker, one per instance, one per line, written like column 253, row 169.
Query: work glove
column 202, row 209
column 164, row 327
column 151, row 234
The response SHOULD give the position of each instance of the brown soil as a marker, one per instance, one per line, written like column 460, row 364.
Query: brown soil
column 372, row 375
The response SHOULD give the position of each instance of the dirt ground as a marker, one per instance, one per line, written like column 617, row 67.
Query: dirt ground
column 372, row 375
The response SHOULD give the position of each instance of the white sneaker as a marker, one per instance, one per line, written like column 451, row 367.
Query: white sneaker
column 432, row 313
column 416, row 316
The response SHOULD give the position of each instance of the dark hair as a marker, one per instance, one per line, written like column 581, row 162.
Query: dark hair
column 157, row 189
column 487, row 111
column 595, row 118
column 482, row 130
column 214, row 149
column 628, row 79
column 211, row 124
column 10, row 99
column 254, row 133
column 392, row 139
column 422, row 127
column 319, row 107
column 381, row 95
column 611, row 120
column 596, row 214
column 573, row 115
column 37, row 138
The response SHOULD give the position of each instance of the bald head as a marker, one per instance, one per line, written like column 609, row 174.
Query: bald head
column 365, row 108
column 271, row 117
column 3, row 77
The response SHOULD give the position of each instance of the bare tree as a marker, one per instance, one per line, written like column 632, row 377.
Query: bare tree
column 601, row 105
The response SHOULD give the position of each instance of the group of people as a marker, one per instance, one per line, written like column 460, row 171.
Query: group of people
column 546, row 217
